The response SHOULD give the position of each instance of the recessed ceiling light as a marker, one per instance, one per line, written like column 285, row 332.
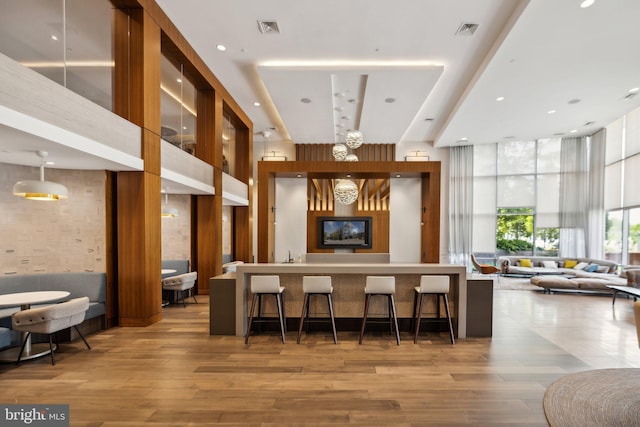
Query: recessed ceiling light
column 54, row 37
column 268, row 27
column 390, row 100
column 551, row 112
column 179, row 80
column 500, row 98
column 429, row 119
column 299, row 175
column 587, row 3
column 256, row 104
column 221, row 47
column 398, row 175
column 634, row 90
column 184, row 128
column 305, row 101
column 348, row 175
column 573, row 131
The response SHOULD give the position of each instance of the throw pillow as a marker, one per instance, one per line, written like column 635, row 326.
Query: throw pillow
column 591, row 268
column 580, row 266
column 602, row 269
column 549, row 264
column 570, row 263
column 525, row 262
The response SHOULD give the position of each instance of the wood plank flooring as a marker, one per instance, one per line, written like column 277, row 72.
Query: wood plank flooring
column 174, row 374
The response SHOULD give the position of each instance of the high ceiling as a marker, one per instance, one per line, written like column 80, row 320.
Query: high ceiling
column 405, row 72
column 400, row 72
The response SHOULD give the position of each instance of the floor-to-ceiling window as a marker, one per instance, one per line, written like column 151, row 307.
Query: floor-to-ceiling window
column 516, row 198
column 622, row 197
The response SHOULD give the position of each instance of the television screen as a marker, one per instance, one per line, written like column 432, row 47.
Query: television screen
column 344, row 232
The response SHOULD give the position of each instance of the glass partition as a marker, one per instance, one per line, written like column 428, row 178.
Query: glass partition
column 228, row 146
column 70, row 45
column 177, row 107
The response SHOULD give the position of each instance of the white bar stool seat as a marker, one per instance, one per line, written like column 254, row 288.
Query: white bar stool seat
column 381, row 285
column 317, row 285
column 432, row 285
column 266, row 285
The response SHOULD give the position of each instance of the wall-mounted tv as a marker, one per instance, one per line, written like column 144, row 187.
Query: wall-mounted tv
column 352, row 232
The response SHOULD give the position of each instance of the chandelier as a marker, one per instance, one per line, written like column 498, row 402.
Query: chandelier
column 345, row 191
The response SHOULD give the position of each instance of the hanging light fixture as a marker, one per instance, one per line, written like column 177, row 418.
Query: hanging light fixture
column 168, row 212
column 339, row 152
column 354, row 139
column 40, row 190
column 345, row 191
column 351, row 158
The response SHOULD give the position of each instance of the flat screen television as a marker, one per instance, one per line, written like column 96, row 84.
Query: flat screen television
column 353, row 232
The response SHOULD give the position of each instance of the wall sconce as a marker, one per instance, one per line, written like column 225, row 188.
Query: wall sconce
column 273, row 157
column 417, row 156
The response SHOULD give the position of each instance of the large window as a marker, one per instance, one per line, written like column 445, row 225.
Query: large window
column 516, row 198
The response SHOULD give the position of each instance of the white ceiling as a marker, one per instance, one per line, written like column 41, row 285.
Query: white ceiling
column 537, row 54
column 355, row 54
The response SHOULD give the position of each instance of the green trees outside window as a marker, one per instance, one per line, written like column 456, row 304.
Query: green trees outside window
column 515, row 233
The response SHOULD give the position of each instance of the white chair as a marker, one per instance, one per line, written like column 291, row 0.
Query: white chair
column 181, row 284
column 266, row 285
column 431, row 285
column 385, row 286
column 49, row 320
column 317, row 285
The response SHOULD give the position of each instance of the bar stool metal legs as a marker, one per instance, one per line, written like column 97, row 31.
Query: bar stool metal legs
column 385, row 286
column 266, row 285
column 432, row 285
column 317, row 285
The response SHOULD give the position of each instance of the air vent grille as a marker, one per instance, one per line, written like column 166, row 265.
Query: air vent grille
column 467, row 29
column 269, row 27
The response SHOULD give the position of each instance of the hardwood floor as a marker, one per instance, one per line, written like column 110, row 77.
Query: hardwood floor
column 174, row 374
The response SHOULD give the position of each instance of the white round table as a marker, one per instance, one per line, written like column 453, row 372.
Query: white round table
column 24, row 301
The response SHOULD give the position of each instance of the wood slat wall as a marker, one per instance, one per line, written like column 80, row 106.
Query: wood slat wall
column 365, row 153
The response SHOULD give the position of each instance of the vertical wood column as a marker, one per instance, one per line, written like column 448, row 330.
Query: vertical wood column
column 207, row 214
column 243, row 215
column 266, row 214
column 430, row 230
column 137, row 98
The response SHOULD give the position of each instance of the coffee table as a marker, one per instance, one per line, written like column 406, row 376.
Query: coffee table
column 634, row 292
column 24, row 301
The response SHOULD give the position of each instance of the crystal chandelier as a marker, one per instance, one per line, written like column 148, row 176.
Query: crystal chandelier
column 345, row 191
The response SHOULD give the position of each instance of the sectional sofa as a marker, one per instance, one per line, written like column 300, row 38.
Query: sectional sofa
column 566, row 273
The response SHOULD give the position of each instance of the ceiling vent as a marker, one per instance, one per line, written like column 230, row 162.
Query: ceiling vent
column 467, row 29
column 269, row 27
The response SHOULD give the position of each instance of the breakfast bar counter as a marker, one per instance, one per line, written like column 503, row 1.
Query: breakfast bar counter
column 348, row 281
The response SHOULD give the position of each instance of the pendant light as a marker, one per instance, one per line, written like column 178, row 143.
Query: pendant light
column 40, row 190
column 168, row 212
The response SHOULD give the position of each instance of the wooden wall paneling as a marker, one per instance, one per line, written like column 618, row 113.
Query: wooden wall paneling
column 205, row 259
column 266, row 215
column 139, row 258
column 430, row 234
column 121, row 73
column 205, row 133
column 312, row 231
column 111, row 249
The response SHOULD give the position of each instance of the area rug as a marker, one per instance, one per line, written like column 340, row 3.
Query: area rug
column 601, row 397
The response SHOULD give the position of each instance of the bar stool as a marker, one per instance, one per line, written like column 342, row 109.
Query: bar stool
column 381, row 285
column 431, row 285
column 317, row 285
column 266, row 285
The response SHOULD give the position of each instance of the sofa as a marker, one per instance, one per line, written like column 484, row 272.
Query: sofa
column 566, row 273
column 89, row 284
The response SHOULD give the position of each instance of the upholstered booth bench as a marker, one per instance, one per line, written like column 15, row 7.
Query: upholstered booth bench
column 89, row 284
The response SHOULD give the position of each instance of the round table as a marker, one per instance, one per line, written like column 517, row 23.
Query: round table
column 24, row 301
